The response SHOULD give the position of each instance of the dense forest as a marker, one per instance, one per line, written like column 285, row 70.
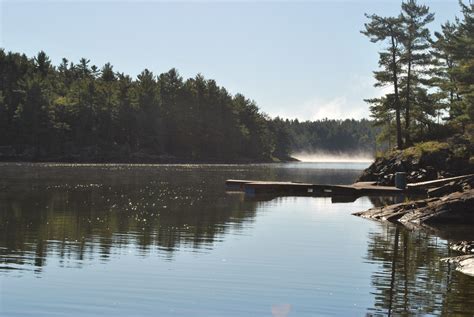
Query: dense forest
column 84, row 113
column 431, row 77
column 332, row 136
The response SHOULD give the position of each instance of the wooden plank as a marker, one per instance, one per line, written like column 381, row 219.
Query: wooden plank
column 364, row 184
column 265, row 187
column 239, row 184
column 370, row 189
column 236, row 184
column 356, row 189
column 438, row 182
column 291, row 188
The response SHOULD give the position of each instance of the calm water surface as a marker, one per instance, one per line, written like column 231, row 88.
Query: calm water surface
column 143, row 240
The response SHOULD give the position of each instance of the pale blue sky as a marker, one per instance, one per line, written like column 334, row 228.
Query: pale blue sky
column 304, row 60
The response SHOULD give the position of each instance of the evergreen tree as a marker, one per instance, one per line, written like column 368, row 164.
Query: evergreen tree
column 388, row 30
column 78, row 112
column 447, row 93
column 416, row 59
column 147, row 95
column 461, row 47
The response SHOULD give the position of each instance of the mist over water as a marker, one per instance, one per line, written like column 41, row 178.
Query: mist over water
column 336, row 157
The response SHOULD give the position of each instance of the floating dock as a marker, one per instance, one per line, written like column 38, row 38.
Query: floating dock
column 252, row 187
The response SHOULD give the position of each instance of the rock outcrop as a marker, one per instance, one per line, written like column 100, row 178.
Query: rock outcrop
column 423, row 162
column 439, row 215
column 457, row 207
column 449, row 209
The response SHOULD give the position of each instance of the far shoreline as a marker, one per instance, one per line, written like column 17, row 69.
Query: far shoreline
column 149, row 161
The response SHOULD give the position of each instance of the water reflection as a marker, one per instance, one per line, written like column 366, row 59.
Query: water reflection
column 411, row 279
column 76, row 212
column 75, row 221
column 174, row 227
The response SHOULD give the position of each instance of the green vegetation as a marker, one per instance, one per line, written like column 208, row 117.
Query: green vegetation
column 432, row 78
column 333, row 136
column 86, row 113
column 421, row 148
column 79, row 112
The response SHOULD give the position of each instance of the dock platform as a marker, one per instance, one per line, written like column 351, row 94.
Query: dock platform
column 252, row 187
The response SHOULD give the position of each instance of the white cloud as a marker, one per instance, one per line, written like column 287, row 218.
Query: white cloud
column 338, row 108
column 335, row 108
column 349, row 105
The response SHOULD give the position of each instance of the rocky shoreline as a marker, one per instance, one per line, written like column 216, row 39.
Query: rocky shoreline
column 437, row 215
column 457, row 207
column 463, row 263
column 423, row 162
column 447, row 206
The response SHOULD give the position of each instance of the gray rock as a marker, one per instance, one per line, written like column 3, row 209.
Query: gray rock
column 445, row 189
column 463, row 263
column 455, row 208
column 463, row 246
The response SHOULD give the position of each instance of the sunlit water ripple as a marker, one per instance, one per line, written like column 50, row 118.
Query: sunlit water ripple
column 141, row 240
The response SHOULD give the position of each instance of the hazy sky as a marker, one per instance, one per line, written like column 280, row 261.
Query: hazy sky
column 304, row 60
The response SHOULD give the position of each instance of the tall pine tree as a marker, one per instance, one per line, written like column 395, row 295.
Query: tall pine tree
column 389, row 31
column 416, row 58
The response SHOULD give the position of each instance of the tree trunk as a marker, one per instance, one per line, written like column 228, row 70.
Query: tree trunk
column 407, row 104
column 397, row 99
column 394, row 271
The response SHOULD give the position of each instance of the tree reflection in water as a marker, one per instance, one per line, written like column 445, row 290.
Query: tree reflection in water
column 77, row 221
column 80, row 211
column 411, row 280
column 78, row 215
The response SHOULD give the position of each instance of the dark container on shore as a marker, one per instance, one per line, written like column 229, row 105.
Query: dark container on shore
column 401, row 180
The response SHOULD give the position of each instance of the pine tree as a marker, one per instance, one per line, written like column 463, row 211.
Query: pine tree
column 416, row 59
column 389, row 31
column 461, row 48
column 447, row 92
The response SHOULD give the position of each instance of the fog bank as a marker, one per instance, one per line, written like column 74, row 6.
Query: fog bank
column 322, row 156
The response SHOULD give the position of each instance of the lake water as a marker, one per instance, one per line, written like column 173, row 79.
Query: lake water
column 149, row 240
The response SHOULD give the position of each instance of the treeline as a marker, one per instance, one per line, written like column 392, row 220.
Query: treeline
column 80, row 112
column 431, row 78
column 83, row 112
column 332, row 136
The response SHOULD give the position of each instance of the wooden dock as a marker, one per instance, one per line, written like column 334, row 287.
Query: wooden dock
column 439, row 182
column 252, row 187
